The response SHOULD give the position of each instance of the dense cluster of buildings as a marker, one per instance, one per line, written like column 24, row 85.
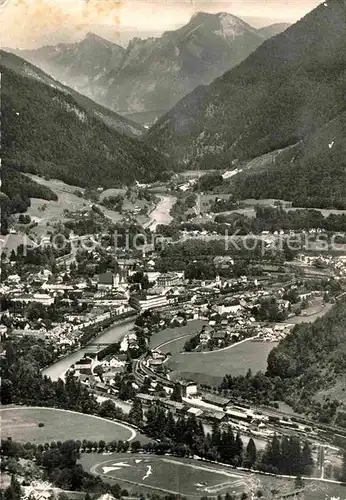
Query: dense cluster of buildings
column 227, row 304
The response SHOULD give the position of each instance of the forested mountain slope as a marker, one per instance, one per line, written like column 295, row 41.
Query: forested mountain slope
column 292, row 85
column 312, row 174
column 312, row 358
column 111, row 119
column 46, row 131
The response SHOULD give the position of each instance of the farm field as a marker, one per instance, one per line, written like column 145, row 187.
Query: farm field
column 168, row 334
column 68, row 200
column 209, row 368
column 192, row 478
column 54, row 209
column 21, row 423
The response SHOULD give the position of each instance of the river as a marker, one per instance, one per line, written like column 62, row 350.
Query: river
column 161, row 213
column 113, row 334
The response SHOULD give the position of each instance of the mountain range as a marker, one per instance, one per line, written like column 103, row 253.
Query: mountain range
column 152, row 75
column 51, row 130
column 286, row 93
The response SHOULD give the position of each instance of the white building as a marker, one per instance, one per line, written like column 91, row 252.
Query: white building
column 144, row 302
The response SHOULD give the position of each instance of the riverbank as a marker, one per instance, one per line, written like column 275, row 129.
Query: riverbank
column 161, row 213
column 113, row 334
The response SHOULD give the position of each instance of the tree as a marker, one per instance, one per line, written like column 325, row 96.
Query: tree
column 135, row 446
column 69, row 453
column 126, row 391
column 170, row 425
column 307, row 460
column 215, row 435
column 51, row 459
column 6, row 390
column 107, row 409
column 299, row 483
column 251, row 454
column 284, row 465
column 295, row 463
column 227, row 446
column 98, row 370
column 228, row 496
column 272, row 454
column 238, row 448
column 343, row 468
column 136, row 413
column 176, row 394
column 35, row 311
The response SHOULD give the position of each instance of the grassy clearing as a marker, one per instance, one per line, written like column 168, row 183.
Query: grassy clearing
column 53, row 212
column 309, row 315
column 21, row 423
column 168, row 334
column 68, row 200
column 209, row 368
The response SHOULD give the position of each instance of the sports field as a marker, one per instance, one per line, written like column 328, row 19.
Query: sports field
column 166, row 474
column 21, row 423
column 194, row 478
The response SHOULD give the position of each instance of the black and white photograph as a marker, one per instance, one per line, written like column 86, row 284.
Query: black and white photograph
column 173, row 250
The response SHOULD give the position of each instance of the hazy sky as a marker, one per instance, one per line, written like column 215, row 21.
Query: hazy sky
column 32, row 23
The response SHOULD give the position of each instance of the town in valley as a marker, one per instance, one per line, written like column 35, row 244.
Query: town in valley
column 173, row 256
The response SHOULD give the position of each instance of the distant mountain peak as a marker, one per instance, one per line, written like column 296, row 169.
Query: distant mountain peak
column 228, row 16
column 93, row 38
column 281, row 93
column 200, row 15
column 152, row 74
column 205, row 16
column 273, row 29
column 224, row 23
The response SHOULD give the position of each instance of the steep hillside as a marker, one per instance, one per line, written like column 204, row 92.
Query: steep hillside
column 151, row 74
column 273, row 29
column 293, row 84
column 111, row 119
column 46, row 131
column 311, row 174
column 312, row 360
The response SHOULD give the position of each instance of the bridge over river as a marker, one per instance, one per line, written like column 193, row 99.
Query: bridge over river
column 110, row 336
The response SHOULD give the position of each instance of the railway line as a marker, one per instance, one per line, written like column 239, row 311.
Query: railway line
column 141, row 372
